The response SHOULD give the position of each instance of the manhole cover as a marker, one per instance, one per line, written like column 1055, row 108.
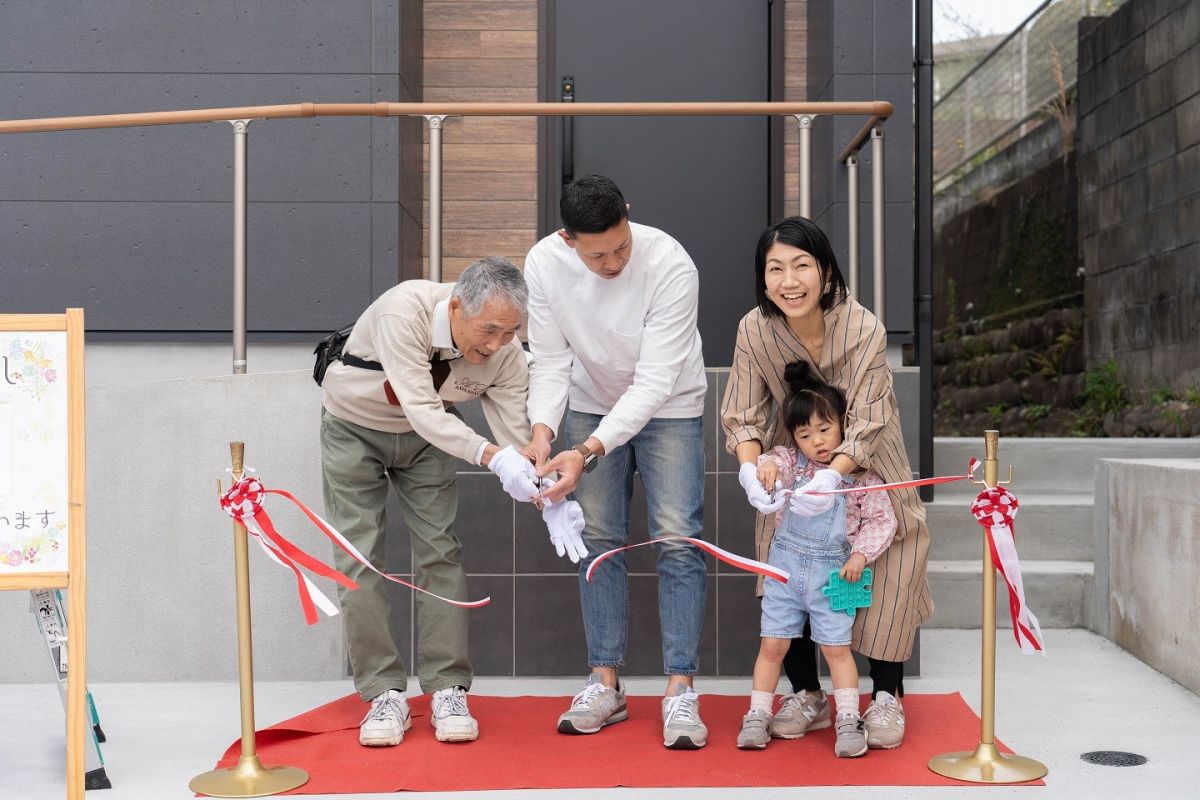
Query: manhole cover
column 1113, row 758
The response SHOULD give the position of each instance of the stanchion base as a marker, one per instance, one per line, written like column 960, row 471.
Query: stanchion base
column 986, row 764
column 248, row 779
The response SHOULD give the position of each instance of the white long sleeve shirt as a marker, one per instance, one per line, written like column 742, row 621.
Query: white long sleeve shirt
column 626, row 348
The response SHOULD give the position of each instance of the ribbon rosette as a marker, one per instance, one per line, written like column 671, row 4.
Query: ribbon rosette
column 995, row 508
column 244, row 502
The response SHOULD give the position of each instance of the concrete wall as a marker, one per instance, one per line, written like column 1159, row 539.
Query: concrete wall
column 160, row 564
column 1018, row 246
column 1147, row 547
column 1139, row 191
column 135, row 224
column 862, row 50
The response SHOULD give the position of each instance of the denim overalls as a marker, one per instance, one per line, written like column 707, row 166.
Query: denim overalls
column 808, row 548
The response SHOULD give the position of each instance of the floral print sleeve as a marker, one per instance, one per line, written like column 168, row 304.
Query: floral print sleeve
column 870, row 519
column 785, row 458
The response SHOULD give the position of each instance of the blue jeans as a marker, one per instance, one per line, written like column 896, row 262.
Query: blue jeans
column 669, row 456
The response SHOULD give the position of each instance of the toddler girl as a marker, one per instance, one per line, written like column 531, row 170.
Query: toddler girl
column 851, row 534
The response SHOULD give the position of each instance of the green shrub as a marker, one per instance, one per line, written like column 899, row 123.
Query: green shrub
column 1162, row 395
column 1103, row 392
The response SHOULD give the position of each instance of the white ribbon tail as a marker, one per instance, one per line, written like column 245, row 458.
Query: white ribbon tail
column 733, row 559
column 318, row 597
column 1026, row 628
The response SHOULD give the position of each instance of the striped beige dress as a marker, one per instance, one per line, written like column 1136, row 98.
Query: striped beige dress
column 854, row 359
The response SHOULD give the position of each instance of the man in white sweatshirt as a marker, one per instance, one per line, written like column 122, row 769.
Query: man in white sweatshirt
column 612, row 329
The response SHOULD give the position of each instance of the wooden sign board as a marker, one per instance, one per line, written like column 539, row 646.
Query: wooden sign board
column 42, row 489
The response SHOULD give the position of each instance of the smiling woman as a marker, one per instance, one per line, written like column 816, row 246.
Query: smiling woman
column 806, row 314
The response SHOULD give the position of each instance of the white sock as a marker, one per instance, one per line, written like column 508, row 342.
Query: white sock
column 763, row 701
column 846, row 702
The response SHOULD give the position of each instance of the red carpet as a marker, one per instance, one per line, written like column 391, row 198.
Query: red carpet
column 520, row 749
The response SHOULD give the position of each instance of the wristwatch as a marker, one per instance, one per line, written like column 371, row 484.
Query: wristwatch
column 589, row 458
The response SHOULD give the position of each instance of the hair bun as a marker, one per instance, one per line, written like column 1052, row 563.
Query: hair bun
column 798, row 374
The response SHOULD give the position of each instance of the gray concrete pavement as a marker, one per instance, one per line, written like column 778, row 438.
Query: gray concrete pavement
column 1088, row 694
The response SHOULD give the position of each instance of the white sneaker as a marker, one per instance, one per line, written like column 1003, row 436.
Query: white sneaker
column 451, row 718
column 385, row 724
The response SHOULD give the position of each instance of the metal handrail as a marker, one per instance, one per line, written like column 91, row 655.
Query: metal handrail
column 877, row 112
column 876, row 109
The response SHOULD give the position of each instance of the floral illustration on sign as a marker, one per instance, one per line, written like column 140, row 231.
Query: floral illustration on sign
column 27, row 367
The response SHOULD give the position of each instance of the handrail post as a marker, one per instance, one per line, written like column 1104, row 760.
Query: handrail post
column 879, row 299
column 852, row 224
column 240, row 127
column 435, row 196
column 804, row 122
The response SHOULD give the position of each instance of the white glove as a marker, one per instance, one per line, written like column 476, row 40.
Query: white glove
column 564, row 520
column 756, row 494
column 516, row 474
column 808, row 505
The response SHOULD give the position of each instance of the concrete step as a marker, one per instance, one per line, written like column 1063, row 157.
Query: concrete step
column 1055, row 527
column 1049, row 466
column 1058, row 592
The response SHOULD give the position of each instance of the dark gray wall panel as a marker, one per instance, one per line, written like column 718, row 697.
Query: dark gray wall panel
column 853, row 50
column 94, row 215
column 385, row 37
column 310, row 264
column 898, row 173
column 138, row 266
column 385, row 247
column 893, row 40
column 385, row 143
column 326, row 159
column 230, row 36
column 862, row 50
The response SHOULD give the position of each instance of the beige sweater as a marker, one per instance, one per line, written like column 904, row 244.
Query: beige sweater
column 403, row 330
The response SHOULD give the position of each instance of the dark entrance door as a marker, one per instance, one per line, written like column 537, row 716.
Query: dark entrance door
column 704, row 180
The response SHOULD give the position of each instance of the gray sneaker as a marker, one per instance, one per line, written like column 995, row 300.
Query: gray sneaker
column 851, row 737
column 884, row 722
column 593, row 708
column 682, row 727
column 800, row 713
column 754, row 734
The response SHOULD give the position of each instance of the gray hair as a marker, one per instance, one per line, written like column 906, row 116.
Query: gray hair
column 490, row 277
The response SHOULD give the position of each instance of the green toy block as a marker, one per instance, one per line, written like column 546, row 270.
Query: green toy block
column 847, row 596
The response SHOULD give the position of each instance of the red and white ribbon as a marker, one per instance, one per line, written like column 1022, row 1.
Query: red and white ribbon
column 883, row 487
column 733, row 559
column 759, row 567
column 244, row 502
column 995, row 508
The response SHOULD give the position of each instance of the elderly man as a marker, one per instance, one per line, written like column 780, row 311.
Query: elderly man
column 388, row 415
column 612, row 327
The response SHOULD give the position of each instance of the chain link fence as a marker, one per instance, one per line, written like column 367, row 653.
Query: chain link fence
column 1029, row 75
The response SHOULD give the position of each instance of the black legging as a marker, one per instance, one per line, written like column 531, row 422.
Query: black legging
column 800, row 665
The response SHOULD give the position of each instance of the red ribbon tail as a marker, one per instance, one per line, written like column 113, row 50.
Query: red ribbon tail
column 296, row 554
column 306, row 601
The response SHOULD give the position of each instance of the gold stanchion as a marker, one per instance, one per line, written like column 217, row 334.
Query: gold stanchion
column 986, row 764
column 249, row 778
